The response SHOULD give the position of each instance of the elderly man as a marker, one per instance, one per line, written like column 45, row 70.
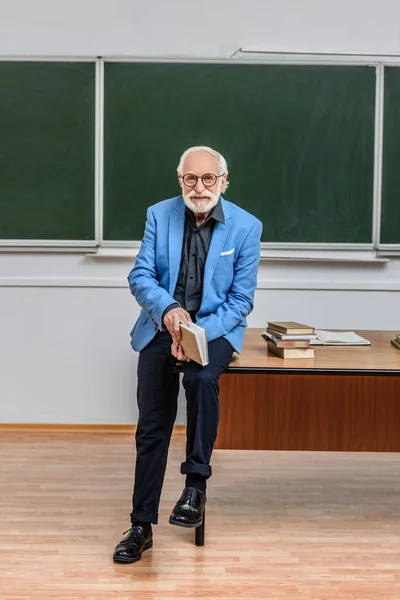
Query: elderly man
column 198, row 262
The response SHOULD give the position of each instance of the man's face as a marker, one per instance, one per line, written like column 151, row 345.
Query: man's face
column 201, row 197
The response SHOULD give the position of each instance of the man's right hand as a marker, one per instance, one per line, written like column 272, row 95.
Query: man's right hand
column 172, row 320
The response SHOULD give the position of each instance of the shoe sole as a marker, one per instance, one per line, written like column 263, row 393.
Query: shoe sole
column 187, row 525
column 132, row 560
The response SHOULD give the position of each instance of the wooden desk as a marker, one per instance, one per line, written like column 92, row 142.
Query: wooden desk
column 346, row 398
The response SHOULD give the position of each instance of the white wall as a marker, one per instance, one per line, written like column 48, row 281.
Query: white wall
column 211, row 28
column 65, row 322
column 65, row 318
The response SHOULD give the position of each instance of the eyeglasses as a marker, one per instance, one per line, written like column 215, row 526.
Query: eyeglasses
column 208, row 179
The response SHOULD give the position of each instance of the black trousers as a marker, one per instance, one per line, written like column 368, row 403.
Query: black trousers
column 158, row 387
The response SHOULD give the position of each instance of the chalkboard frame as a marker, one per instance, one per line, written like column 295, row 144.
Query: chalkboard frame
column 384, row 249
column 272, row 59
column 379, row 62
column 74, row 245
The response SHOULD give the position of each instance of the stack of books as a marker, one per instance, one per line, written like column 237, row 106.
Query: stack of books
column 396, row 341
column 289, row 339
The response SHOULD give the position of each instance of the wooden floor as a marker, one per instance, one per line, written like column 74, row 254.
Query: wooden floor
column 281, row 525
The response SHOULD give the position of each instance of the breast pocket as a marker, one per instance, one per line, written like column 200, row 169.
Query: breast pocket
column 228, row 252
column 225, row 265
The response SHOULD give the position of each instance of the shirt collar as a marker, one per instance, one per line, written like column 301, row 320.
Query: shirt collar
column 217, row 213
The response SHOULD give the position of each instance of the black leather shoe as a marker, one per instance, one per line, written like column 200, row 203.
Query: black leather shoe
column 131, row 547
column 189, row 510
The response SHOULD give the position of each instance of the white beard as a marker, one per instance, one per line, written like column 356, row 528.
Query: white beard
column 201, row 207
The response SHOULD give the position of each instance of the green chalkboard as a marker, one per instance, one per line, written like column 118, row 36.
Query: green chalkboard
column 390, row 211
column 47, row 149
column 299, row 141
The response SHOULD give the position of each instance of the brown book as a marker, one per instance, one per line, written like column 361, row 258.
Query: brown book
column 194, row 343
column 285, row 336
column 279, row 343
column 395, row 343
column 290, row 352
column 290, row 327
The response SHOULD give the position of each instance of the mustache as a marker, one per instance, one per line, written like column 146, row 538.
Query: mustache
column 204, row 194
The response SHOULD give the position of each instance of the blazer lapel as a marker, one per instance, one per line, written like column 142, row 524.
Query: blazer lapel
column 175, row 241
column 217, row 243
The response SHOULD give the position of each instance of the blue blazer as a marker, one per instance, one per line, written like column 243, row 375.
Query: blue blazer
column 230, row 272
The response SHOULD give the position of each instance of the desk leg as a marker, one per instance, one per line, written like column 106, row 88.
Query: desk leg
column 199, row 534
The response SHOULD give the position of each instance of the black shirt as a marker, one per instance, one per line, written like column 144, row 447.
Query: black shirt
column 196, row 243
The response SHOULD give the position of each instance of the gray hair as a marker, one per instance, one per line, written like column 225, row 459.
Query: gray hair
column 223, row 167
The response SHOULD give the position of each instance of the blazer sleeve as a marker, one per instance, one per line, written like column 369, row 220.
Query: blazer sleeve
column 240, row 299
column 143, row 279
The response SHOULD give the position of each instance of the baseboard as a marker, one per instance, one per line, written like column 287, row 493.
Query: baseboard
column 77, row 427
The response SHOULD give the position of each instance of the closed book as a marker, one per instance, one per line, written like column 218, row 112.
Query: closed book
column 290, row 327
column 285, row 336
column 290, row 352
column 286, row 343
column 395, row 343
column 397, row 338
column 194, row 343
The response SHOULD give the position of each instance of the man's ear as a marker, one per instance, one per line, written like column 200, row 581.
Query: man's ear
column 180, row 181
column 223, row 182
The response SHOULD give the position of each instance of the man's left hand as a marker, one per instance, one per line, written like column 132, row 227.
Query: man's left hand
column 177, row 352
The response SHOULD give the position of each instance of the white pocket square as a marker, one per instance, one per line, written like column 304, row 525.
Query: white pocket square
column 228, row 252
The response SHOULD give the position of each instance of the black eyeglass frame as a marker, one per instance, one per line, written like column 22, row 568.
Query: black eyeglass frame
column 200, row 177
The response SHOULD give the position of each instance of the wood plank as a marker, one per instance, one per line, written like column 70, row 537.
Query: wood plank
column 381, row 355
column 76, row 427
column 309, row 412
column 69, row 427
column 280, row 525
